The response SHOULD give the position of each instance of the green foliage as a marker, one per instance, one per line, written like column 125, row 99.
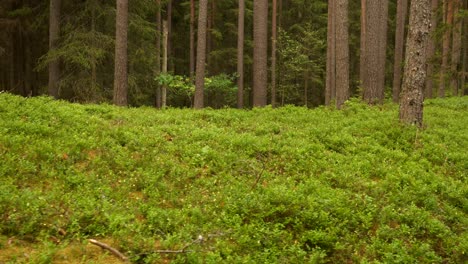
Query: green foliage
column 287, row 185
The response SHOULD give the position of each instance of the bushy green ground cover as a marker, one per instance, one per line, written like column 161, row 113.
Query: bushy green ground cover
column 287, row 185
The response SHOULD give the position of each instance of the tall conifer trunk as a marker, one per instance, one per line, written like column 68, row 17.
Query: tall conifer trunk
column 448, row 17
column 456, row 47
column 120, row 71
column 402, row 9
column 201, row 54
column 342, row 52
column 431, row 48
column 273, row 53
column 192, row 38
column 260, row 56
column 411, row 102
column 158, row 51
column 240, row 55
column 331, row 57
column 54, row 32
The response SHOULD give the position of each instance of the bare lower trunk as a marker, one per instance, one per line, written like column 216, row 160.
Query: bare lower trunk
column 330, row 87
column 201, row 54
column 192, row 38
column 431, row 51
column 260, row 36
column 402, row 9
column 120, row 73
column 447, row 12
column 240, row 55
column 342, row 52
column 164, row 64
column 411, row 102
column 273, row 54
column 456, row 48
column 158, row 51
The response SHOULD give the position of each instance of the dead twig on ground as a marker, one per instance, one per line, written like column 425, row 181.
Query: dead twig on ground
column 114, row 251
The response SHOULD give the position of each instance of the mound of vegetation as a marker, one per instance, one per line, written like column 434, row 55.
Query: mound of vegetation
column 287, row 185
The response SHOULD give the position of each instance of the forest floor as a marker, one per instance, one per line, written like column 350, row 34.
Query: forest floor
column 286, row 185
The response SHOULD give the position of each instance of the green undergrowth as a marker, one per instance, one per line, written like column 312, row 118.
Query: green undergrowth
column 287, row 185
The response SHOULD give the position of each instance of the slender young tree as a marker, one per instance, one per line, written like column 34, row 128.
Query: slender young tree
column 448, row 18
column 201, row 54
column 120, row 67
column 54, row 33
column 273, row 53
column 402, row 9
column 260, row 56
column 431, row 48
column 411, row 101
column 240, row 55
column 165, row 50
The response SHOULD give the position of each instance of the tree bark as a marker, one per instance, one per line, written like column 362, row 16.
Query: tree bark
column 342, row 52
column 158, row 51
column 169, row 35
column 240, row 55
column 54, row 34
column 431, row 48
column 330, row 88
column 411, row 102
column 273, row 53
column 164, row 64
column 192, row 38
column 120, row 71
column 362, row 51
column 260, row 57
column 402, row 9
column 448, row 17
column 375, row 39
column 456, row 47
column 201, row 54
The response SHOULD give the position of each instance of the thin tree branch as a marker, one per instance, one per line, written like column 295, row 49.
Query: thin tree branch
column 114, row 251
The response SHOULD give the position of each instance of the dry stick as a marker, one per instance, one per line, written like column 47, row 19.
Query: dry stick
column 114, row 251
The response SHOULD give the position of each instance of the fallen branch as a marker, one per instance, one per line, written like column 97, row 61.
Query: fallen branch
column 114, row 251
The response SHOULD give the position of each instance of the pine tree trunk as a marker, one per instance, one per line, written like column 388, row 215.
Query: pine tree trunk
column 456, row 47
column 260, row 57
column 373, row 75
column 342, row 52
column 192, row 38
column 54, row 33
column 331, row 57
column 411, row 102
column 164, row 64
column 431, row 48
column 201, row 54
column 169, row 35
column 362, row 48
column 465, row 52
column 448, row 17
column 158, row 51
column 240, row 55
column 273, row 53
column 120, row 73
column 402, row 9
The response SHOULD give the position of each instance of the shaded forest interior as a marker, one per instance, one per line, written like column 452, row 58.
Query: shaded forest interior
column 66, row 49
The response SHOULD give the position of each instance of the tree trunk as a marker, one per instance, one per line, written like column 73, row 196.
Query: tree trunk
column 342, row 52
column 120, row 73
column 456, row 47
column 240, row 55
column 448, row 17
column 411, row 102
column 465, row 52
column 375, row 27
column 431, row 48
column 362, row 49
column 260, row 38
column 164, row 64
column 54, row 33
column 192, row 38
column 158, row 51
column 330, row 87
column 273, row 54
column 201, row 54
column 169, row 35
column 402, row 9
